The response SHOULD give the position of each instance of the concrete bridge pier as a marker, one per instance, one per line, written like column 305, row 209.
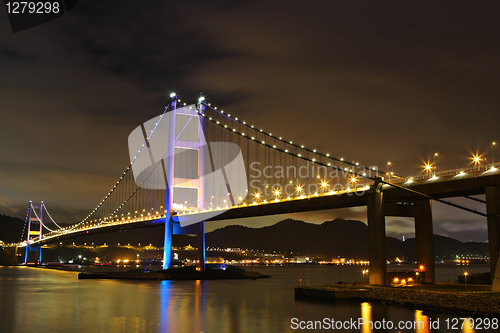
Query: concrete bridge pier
column 425, row 240
column 377, row 210
column 29, row 249
column 200, row 239
column 167, row 243
column 493, row 211
column 376, row 234
column 197, row 229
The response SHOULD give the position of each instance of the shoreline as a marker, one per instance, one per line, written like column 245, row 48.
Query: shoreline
column 474, row 303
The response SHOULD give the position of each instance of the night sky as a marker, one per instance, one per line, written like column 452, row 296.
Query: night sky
column 370, row 81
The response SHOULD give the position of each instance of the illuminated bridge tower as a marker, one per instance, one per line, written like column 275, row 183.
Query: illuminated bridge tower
column 185, row 185
column 35, row 230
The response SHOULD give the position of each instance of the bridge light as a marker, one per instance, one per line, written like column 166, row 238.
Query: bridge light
column 172, row 95
column 201, row 99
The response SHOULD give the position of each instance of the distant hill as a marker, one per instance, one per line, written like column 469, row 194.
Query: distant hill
column 446, row 246
column 330, row 239
column 11, row 229
column 339, row 237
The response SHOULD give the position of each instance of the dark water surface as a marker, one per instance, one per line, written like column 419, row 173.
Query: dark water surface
column 43, row 300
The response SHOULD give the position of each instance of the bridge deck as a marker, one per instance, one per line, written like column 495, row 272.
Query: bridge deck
column 443, row 187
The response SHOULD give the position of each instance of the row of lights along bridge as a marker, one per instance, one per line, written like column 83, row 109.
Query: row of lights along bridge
column 432, row 167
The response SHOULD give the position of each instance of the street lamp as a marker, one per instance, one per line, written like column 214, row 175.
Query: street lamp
column 465, row 277
column 477, row 161
column 435, row 167
column 493, row 144
column 428, row 168
column 388, row 165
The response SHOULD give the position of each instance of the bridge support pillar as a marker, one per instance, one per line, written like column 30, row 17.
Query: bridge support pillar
column 200, row 264
column 376, row 231
column 493, row 211
column 33, row 249
column 167, row 244
column 26, row 255
column 425, row 240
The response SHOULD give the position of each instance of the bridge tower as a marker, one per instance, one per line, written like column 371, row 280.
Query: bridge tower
column 176, row 182
column 35, row 229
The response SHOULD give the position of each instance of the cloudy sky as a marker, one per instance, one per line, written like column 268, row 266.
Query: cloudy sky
column 372, row 81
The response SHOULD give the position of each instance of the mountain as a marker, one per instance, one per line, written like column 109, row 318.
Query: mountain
column 448, row 247
column 330, row 239
column 345, row 238
column 11, row 229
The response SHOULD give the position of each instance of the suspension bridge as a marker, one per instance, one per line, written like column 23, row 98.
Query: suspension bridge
column 196, row 163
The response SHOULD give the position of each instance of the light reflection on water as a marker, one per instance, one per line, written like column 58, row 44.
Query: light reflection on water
column 37, row 300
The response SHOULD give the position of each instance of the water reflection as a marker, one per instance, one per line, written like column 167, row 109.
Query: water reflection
column 53, row 301
column 421, row 322
column 366, row 314
column 165, row 292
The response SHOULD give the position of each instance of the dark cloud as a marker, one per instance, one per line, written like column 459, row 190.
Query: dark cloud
column 368, row 81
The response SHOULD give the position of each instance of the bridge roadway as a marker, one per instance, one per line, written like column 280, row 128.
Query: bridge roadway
column 473, row 183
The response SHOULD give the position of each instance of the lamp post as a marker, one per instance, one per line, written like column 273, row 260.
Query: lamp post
column 493, row 144
column 465, row 277
column 435, row 167
column 428, row 168
column 477, row 161
column 388, row 165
